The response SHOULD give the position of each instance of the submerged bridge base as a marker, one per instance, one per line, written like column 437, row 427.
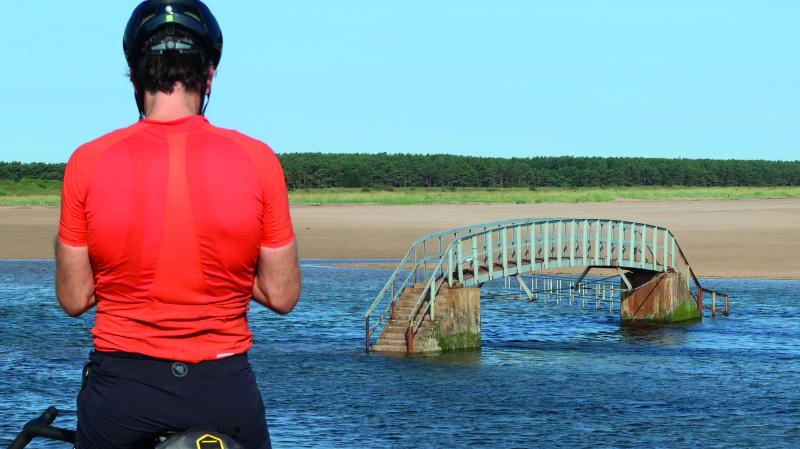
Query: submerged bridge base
column 658, row 298
column 456, row 324
column 458, row 320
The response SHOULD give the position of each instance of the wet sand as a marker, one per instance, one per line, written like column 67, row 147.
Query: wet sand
column 737, row 238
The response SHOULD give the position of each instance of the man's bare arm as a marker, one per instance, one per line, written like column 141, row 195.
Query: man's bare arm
column 74, row 279
column 277, row 281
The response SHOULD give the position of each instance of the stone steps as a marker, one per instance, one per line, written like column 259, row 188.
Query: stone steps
column 393, row 335
column 378, row 347
column 400, row 334
column 393, row 340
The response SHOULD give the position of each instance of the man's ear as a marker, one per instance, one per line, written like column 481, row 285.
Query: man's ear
column 208, row 81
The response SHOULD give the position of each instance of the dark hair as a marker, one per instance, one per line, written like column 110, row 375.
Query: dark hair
column 159, row 72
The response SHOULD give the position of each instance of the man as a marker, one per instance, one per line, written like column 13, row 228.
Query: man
column 169, row 227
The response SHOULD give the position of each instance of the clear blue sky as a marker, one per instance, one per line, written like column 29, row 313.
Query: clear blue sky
column 671, row 78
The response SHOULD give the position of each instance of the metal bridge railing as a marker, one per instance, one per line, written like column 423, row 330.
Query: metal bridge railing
column 480, row 253
column 424, row 252
column 725, row 301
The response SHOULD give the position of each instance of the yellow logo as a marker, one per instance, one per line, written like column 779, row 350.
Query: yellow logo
column 209, row 442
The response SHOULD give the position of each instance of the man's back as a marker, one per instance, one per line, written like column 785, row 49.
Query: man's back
column 174, row 214
column 169, row 227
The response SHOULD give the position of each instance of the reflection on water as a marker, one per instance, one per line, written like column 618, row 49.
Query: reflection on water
column 463, row 358
column 673, row 334
column 546, row 376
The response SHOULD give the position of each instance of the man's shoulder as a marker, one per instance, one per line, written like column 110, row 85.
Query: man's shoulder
column 104, row 142
column 242, row 140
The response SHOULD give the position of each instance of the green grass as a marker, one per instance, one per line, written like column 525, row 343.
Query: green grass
column 529, row 196
column 30, row 192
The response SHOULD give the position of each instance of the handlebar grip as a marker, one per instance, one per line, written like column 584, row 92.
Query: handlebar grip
column 47, row 417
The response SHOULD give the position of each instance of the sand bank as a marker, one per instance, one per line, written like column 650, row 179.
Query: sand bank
column 738, row 238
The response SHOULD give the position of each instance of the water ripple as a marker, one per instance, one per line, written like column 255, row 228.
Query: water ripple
column 546, row 376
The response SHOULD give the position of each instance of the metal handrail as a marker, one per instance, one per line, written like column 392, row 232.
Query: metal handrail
column 418, row 242
column 390, row 284
column 725, row 298
column 431, row 287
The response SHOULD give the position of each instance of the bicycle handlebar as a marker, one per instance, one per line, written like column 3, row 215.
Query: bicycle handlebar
column 40, row 427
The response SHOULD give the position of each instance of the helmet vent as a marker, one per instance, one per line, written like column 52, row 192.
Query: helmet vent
column 193, row 12
column 147, row 17
column 194, row 16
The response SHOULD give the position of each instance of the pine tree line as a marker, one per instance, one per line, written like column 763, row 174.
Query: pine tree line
column 315, row 170
column 319, row 170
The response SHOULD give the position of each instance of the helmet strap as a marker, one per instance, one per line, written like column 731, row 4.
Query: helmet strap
column 139, row 104
column 139, row 101
column 139, row 98
column 205, row 92
column 204, row 100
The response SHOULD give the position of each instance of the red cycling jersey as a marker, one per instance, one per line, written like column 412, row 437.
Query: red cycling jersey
column 173, row 214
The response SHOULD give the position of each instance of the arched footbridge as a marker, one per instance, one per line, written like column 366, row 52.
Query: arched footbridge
column 442, row 263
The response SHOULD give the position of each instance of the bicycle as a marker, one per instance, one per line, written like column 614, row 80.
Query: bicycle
column 41, row 427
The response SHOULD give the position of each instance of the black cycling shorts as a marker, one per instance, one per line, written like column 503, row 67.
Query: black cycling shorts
column 128, row 401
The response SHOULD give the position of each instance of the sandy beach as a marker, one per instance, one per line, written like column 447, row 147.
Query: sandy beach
column 738, row 238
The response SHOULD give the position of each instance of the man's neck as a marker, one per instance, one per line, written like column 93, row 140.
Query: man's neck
column 167, row 107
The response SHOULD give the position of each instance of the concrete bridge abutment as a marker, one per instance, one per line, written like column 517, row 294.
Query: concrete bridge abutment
column 457, row 322
column 657, row 298
column 654, row 298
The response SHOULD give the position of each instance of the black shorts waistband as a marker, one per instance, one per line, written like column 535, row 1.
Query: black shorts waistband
column 137, row 356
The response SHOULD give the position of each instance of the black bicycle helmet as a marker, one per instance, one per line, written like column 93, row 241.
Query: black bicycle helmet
column 154, row 17
column 190, row 15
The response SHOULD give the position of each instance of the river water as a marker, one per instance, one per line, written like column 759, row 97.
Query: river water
column 546, row 376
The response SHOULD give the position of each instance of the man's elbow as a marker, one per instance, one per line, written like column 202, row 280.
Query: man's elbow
column 75, row 304
column 74, row 279
column 74, row 312
column 287, row 302
column 72, row 309
column 282, row 309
